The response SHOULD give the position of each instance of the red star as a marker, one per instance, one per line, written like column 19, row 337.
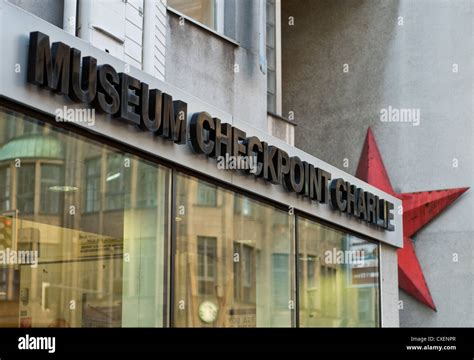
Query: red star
column 418, row 209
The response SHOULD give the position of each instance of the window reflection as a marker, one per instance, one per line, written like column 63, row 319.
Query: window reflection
column 25, row 184
column 51, row 180
column 92, row 180
column 5, row 187
column 236, row 256
column 97, row 219
column 338, row 278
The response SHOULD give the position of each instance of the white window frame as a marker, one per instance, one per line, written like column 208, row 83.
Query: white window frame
column 219, row 15
column 278, row 59
column 219, row 21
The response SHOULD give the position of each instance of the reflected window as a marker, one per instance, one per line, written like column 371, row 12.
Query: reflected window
column 51, row 176
column 328, row 291
column 243, row 206
column 206, row 194
column 148, row 181
column 280, row 268
column 251, row 263
column 117, row 193
column 5, row 188
column 32, row 128
column 25, row 183
column 338, row 278
column 92, row 180
column 244, row 268
column 207, row 257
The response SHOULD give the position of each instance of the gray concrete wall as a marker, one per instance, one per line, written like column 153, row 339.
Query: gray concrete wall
column 204, row 64
column 49, row 10
column 403, row 66
column 389, row 286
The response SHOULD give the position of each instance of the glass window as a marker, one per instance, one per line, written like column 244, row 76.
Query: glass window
column 51, row 182
column 250, row 257
column 112, row 264
column 207, row 264
column 92, row 180
column 271, row 57
column 203, row 11
column 147, row 180
column 233, row 264
column 206, row 194
column 117, row 182
column 280, row 293
column 25, row 188
column 338, row 278
column 32, row 127
column 5, row 188
column 243, row 206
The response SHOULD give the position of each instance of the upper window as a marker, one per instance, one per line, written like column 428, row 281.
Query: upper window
column 274, row 57
column 271, row 57
column 204, row 11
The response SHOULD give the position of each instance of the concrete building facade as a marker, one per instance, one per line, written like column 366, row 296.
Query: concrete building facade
column 367, row 56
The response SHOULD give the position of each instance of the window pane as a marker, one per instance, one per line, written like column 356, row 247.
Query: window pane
column 271, row 57
column 92, row 180
column 5, row 188
column 202, row 11
column 271, row 77
column 206, row 194
column 32, row 127
column 51, row 178
column 225, row 266
column 148, row 181
column 271, row 102
column 112, row 264
column 25, row 197
column 117, row 182
column 338, row 278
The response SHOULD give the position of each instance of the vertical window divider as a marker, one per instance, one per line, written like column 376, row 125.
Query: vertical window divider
column 296, row 312
column 171, row 249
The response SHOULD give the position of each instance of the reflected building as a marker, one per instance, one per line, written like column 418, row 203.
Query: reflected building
column 110, row 254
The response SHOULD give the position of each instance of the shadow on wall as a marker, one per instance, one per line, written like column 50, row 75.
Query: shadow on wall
column 334, row 59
